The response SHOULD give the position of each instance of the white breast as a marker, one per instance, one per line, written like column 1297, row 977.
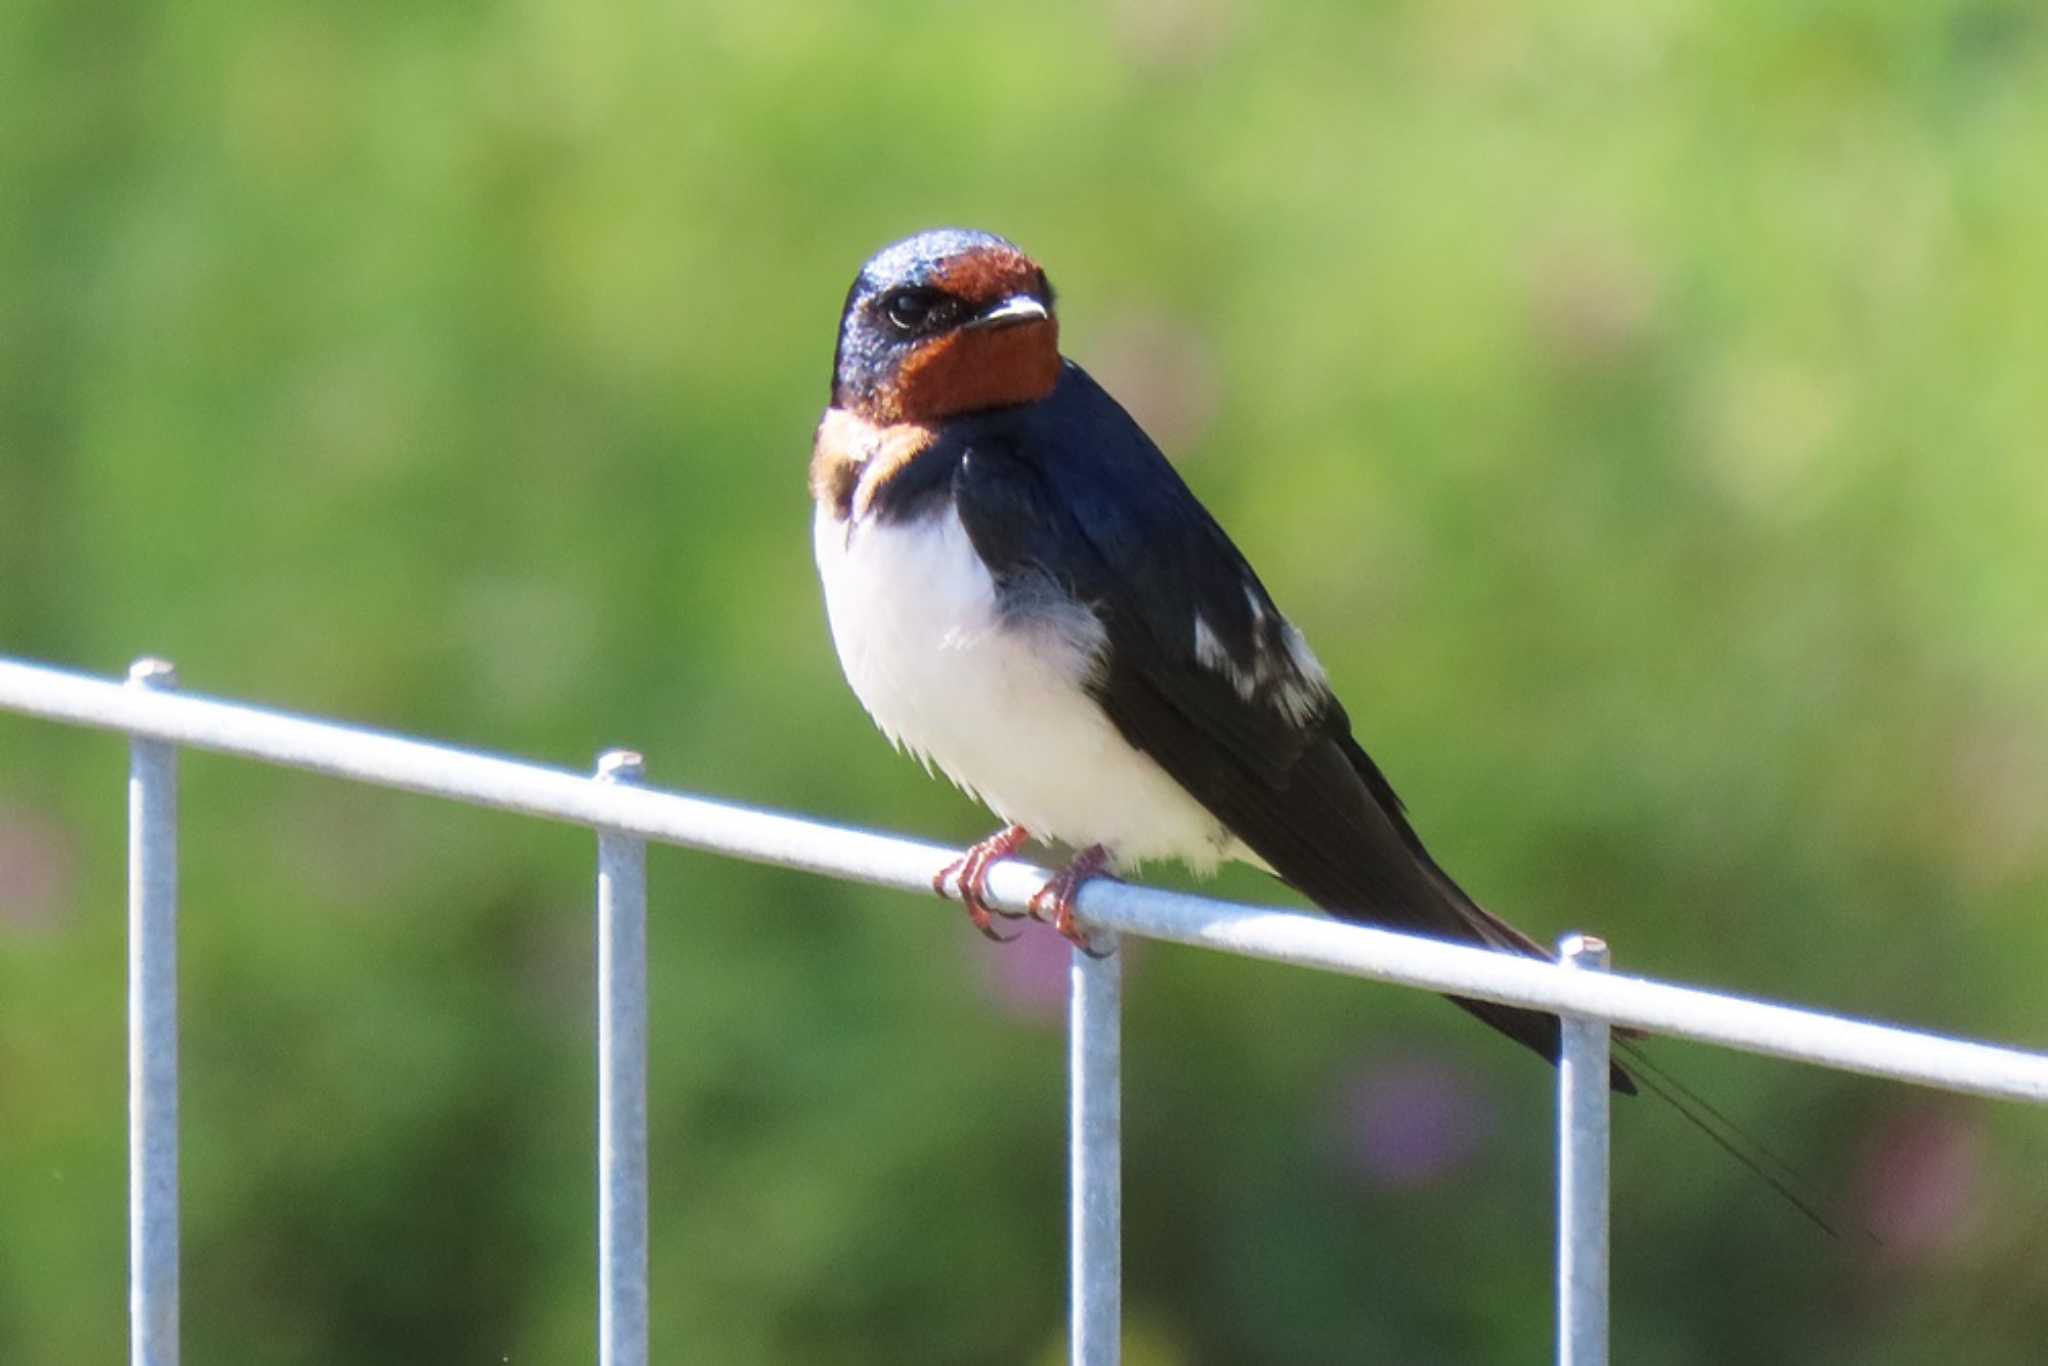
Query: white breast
column 998, row 705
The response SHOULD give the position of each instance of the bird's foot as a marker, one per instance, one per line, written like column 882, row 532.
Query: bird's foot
column 1054, row 902
column 969, row 873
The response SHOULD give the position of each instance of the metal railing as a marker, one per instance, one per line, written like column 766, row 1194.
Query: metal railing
column 159, row 721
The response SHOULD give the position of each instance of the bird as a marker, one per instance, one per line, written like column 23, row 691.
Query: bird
column 1023, row 592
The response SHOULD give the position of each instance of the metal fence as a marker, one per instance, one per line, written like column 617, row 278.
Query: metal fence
column 159, row 721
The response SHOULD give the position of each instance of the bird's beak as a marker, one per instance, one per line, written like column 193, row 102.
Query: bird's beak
column 1018, row 308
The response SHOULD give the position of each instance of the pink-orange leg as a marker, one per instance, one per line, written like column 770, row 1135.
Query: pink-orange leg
column 970, row 873
column 1054, row 902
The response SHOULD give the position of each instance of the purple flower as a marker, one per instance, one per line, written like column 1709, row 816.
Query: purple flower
column 1027, row 978
column 1410, row 1120
column 1919, row 1184
column 36, row 873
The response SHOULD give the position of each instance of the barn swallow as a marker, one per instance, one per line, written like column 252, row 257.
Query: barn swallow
column 1023, row 592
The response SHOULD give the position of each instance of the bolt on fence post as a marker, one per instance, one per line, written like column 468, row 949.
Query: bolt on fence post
column 152, row 1038
column 621, row 1083
column 1095, row 1153
column 1582, row 1171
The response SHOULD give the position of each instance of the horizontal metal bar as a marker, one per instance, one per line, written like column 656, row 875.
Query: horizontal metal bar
column 1276, row 935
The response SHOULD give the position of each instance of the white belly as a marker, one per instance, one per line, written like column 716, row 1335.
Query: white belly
column 998, row 706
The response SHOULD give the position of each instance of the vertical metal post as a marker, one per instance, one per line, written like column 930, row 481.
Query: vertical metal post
column 1095, row 1153
column 621, row 1083
column 152, row 1038
column 1582, row 1172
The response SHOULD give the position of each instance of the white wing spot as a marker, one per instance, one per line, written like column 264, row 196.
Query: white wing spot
column 1284, row 671
column 1303, row 687
column 1210, row 654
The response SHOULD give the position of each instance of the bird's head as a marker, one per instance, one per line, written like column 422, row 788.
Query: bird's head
column 949, row 321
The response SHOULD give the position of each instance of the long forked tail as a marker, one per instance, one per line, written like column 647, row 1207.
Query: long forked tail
column 1536, row 1031
column 1437, row 905
column 1531, row 1028
column 1543, row 1033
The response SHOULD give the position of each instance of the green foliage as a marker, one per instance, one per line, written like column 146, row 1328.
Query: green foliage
column 1640, row 406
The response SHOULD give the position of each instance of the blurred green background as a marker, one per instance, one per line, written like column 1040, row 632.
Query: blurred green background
column 1640, row 405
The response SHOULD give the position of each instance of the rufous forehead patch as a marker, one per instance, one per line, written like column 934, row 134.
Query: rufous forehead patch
column 988, row 274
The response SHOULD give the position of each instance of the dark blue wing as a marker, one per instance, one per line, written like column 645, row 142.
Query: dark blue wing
column 1201, row 671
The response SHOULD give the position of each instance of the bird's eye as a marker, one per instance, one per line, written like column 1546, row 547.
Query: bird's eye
column 909, row 310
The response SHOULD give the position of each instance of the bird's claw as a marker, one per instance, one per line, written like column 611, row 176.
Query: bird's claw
column 1054, row 902
column 969, row 874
